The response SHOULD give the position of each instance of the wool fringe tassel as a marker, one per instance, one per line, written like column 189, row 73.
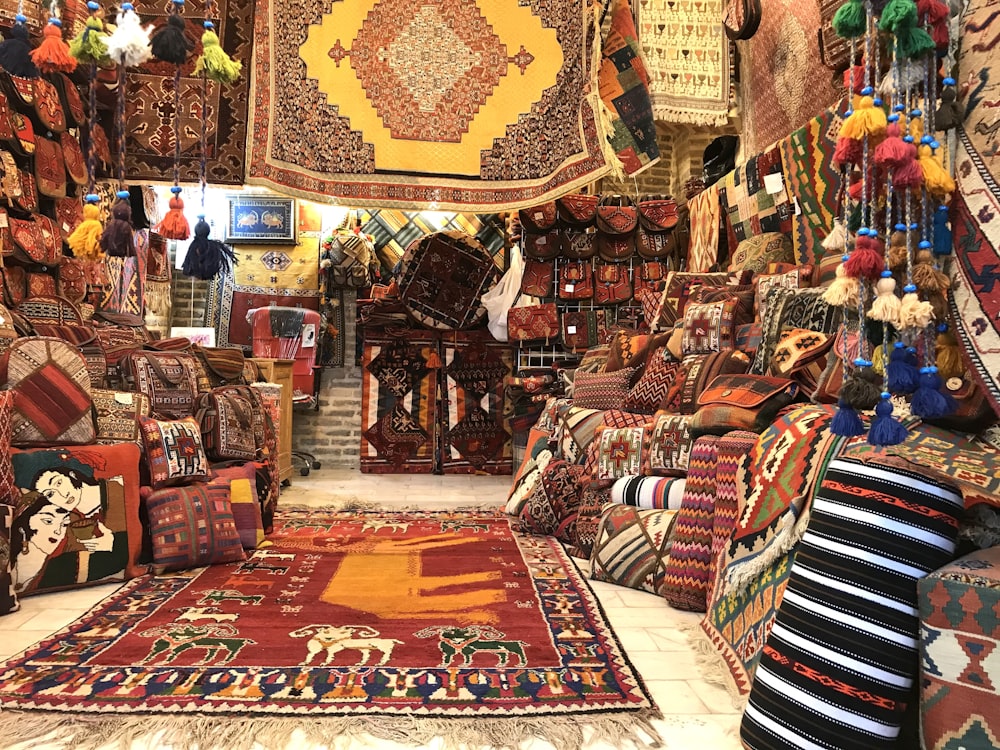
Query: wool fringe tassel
column 712, row 665
column 90, row 732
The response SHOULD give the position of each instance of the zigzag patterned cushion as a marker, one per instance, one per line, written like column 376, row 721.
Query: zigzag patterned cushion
column 841, row 658
column 959, row 650
column 733, row 452
column 632, row 547
column 652, row 386
column 657, row 493
column 687, row 578
column 602, row 390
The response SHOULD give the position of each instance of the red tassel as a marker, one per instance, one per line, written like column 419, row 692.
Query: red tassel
column 52, row 55
column 859, row 79
column 848, row 151
column 175, row 225
column 865, row 261
column 893, row 151
column 433, row 360
column 934, row 11
column 939, row 33
column 909, row 175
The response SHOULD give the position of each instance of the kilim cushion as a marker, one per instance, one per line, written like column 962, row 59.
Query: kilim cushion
column 594, row 359
column 9, row 494
column 551, row 508
column 748, row 206
column 174, row 451
column 538, row 441
column 686, row 581
column 51, row 386
column 731, row 462
column 8, row 596
column 242, row 482
column 709, row 327
column 747, row 338
column 797, row 278
column 193, row 526
column 755, row 253
column 803, row 308
column 632, row 547
column 697, row 371
column 525, row 486
column 662, row 493
column 841, row 659
column 744, row 294
column 959, row 647
column 653, row 384
column 675, row 296
column 631, row 349
column 619, row 453
column 575, row 430
column 592, row 503
column 668, row 445
column 603, row 390
column 118, row 415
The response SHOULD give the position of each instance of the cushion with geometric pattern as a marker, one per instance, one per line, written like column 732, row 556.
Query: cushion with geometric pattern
column 193, row 526
column 709, row 327
column 174, row 451
column 632, row 547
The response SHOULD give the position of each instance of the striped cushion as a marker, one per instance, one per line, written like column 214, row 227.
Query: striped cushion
column 686, row 582
column 661, row 493
column 651, row 388
column 632, row 547
column 841, row 659
column 575, row 431
column 602, row 390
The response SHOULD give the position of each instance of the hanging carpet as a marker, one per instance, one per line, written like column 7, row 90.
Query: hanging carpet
column 464, row 105
column 150, row 101
column 406, row 626
column 976, row 209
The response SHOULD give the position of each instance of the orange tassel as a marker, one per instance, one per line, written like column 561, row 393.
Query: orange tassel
column 52, row 55
column 175, row 225
column 433, row 360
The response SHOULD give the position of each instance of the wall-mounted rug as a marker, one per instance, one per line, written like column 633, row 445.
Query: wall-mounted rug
column 460, row 106
column 407, row 626
column 150, row 100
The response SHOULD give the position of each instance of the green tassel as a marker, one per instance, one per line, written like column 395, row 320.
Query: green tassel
column 850, row 21
column 90, row 46
column 898, row 14
column 914, row 42
column 854, row 218
column 214, row 61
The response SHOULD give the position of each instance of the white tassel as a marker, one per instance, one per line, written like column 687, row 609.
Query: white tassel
column 911, row 74
column 886, row 304
column 843, row 291
column 130, row 40
column 836, row 241
column 915, row 313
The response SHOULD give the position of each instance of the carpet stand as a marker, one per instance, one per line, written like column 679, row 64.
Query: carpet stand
column 401, row 626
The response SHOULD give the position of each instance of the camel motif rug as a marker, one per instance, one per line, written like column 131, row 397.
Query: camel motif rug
column 463, row 105
column 404, row 625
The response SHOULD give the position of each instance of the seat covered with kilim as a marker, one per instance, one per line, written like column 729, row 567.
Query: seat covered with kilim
column 960, row 654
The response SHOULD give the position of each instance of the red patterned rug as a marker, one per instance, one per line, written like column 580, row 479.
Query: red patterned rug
column 461, row 105
column 406, row 626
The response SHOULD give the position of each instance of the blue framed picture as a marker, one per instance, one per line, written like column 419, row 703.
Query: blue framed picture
column 260, row 218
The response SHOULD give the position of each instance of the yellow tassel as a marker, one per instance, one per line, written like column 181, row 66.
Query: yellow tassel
column 914, row 313
column 843, row 291
column 85, row 240
column 917, row 129
column 878, row 360
column 867, row 119
column 937, row 181
column 948, row 356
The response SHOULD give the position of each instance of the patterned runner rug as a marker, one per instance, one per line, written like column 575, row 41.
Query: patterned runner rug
column 463, row 105
column 403, row 625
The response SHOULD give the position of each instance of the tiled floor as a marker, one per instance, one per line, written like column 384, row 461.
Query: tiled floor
column 697, row 715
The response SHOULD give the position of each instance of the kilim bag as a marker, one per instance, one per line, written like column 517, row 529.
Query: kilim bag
column 84, row 338
column 578, row 210
column 617, row 221
column 170, row 379
column 8, row 134
column 613, row 285
column 52, row 393
column 533, row 322
column 538, row 225
column 582, row 329
column 40, row 284
column 576, row 281
column 50, row 309
column 72, row 281
column 48, row 106
column 72, row 99
column 27, row 200
column 218, row 366
column 538, row 219
column 741, row 402
column 348, row 259
column 230, row 417
column 15, row 285
column 73, row 158
column 118, row 415
column 545, row 246
column 50, row 168
column 116, row 342
column 657, row 219
column 36, row 240
column 10, row 185
column 651, row 276
column 579, row 244
column 538, row 277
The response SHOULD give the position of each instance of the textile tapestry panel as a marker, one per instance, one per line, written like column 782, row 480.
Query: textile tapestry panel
column 150, row 144
column 476, row 438
column 455, row 106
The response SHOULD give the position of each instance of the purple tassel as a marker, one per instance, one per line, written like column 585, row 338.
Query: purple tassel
column 206, row 258
column 886, row 429
column 846, row 422
column 929, row 402
column 902, row 371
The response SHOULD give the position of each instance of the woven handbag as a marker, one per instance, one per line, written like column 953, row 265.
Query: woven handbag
column 533, row 322
column 578, row 210
column 657, row 219
column 741, row 402
column 582, row 329
column 576, row 281
column 52, row 393
column 170, row 379
column 48, row 106
column 231, row 418
column 538, row 277
column 50, row 168
column 84, row 338
column 73, row 159
column 218, row 366
column 617, row 221
column 118, row 413
column 613, row 284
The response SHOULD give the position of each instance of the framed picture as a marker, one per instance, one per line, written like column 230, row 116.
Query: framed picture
column 260, row 218
column 197, row 335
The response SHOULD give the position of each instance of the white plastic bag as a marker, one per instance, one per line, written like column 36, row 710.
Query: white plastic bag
column 502, row 297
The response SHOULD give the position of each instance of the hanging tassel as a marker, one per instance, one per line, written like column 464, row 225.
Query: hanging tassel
column 857, row 75
column 909, row 174
column 898, row 254
column 928, row 401
column 218, row 65
column 933, row 11
column 893, row 151
column 914, row 42
column 850, row 20
column 52, row 55
column 206, row 258
column 847, row 152
column 118, row 240
column 914, row 313
column 846, row 422
column 949, row 113
column 15, row 52
column 169, row 44
column 843, row 290
column 867, row 119
column 432, row 360
column 854, row 218
column 129, row 43
column 89, row 46
column 901, row 372
column 943, row 244
column 85, row 240
column 860, row 390
column 948, row 354
column 866, row 261
column 936, row 178
column 898, row 13
column 929, row 280
column 175, row 225
column 911, row 75
column 885, row 307
column 878, row 361
column 886, row 429
column 836, row 241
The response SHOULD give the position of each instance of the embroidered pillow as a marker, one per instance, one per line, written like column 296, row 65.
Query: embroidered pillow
column 755, row 253
column 575, row 431
column 552, row 506
column 794, row 279
column 649, row 390
column 242, row 482
column 8, row 597
column 675, row 296
column 602, row 390
column 668, row 445
column 193, row 526
column 742, row 293
column 709, row 328
column 538, row 441
column 619, row 453
column 174, row 451
column 592, row 504
column 595, row 358
column 632, row 547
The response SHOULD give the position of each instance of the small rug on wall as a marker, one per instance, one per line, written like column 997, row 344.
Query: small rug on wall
column 150, row 96
column 461, row 106
column 975, row 212
column 406, row 626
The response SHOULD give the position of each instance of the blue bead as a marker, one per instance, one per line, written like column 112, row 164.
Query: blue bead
column 935, row 145
column 877, row 101
column 915, row 113
column 859, row 362
column 845, row 258
column 92, row 198
column 899, row 108
column 908, row 138
column 898, row 345
column 949, row 81
column 914, row 226
column 867, row 91
column 886, row 274
column 863, row 232
column 848, row 113
column 20, row 18
column 892, row 118
column 901, row 227
column 942, row 207
column 55, row 22
column 885, row 395
column 911, row 349
column 942, row 327
column 926, row 140
column 93, row 6
column 176, row 189
column 924, row 245
column 178, row 2
column 122, row 194
column 128, row 6
column 873, row 234
column 208, row 25
column 910, row 288
column 201, row 216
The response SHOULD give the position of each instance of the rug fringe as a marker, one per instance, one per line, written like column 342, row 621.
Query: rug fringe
column 712, row 665
column 672, row 114
column 85, row 732
column 741, row 575
column 354, row 503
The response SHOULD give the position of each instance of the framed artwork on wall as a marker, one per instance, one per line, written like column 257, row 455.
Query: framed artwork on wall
column 260, row 218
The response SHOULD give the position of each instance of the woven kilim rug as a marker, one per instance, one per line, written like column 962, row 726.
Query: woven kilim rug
column 976, row 211
column 403, row 625
column 150, row 97
column 462, row 105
